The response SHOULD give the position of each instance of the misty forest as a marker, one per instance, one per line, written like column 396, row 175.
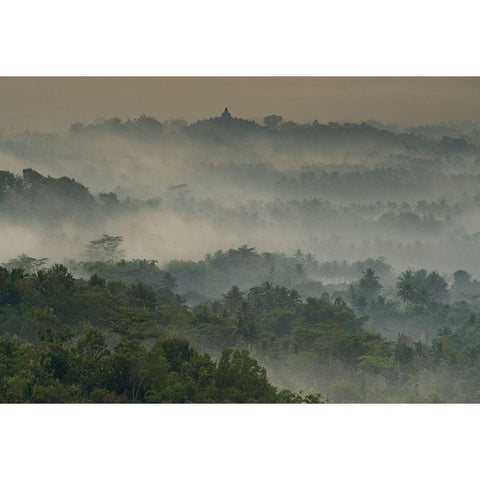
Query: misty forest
column 232, row 260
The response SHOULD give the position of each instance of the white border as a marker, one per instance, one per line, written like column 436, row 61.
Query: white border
column 239, row 442
column 239, row 38
column 252, row 37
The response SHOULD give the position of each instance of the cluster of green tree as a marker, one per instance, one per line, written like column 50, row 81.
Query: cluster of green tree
column 422, row 288
column 245, row 267
column 419, row 304
column 343, row 270
column 70, row 340
column 62, row 370
column 403, row 369
column 134, row 271
column 416, row 288
column 64, row 315
column 322, row 344
column 44, row 198
column 203, row 281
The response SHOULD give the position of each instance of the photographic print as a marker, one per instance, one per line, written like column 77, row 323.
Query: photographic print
column 240, row 240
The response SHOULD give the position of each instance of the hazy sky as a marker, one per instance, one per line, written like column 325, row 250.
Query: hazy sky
column 54, row 103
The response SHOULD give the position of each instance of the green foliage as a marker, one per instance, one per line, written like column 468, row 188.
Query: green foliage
column 143, row 273
column 119, row 353
column 239, row 377
column 105, row 339
column 366, row 290
column 422, row 288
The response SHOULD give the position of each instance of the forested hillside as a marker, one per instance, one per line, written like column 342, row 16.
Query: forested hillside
column 229, row 260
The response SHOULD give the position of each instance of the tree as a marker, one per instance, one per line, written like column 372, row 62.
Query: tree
column 105, row 249
column 369, row 285
column 406, row 287
column 92, row 344
column 272, row 121
column 436, row 287
column 461, row 279
column 131, row 367
column 96, row 281
column 29, row 265
column 56, row 282
column 422, row 288
column 51, row 330
column 240, row 379
column 233, row 299
column 366, row 290
column 464, row 288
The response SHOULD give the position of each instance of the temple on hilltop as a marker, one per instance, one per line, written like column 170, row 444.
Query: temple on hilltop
column 222, row 124
column 226, row 115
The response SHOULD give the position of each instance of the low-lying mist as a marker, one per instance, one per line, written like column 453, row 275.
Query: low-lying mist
column 370, row 225
column 336, row 190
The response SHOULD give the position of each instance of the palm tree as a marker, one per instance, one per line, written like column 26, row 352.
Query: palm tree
column 294, row 298
column 405, row 287
column 369, row 284
column 299, row 255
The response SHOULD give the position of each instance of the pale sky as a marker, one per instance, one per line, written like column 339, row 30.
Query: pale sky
column 52, row 104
